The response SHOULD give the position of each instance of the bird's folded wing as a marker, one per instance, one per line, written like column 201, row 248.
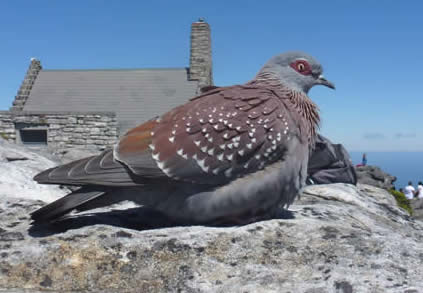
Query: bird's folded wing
column 99, row 170
column 221, row 135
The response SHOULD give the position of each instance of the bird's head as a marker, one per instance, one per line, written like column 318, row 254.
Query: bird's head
column 297, row 70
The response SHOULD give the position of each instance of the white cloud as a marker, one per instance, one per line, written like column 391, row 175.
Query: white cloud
column 405, row 135
column 374, row 135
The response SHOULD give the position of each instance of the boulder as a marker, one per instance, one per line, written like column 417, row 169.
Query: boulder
column 335, row 238
column 18, row 165
column 417, row 206
column 373, row 175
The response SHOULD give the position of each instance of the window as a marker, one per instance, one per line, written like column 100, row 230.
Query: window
column 31, row 134
column 34, row 136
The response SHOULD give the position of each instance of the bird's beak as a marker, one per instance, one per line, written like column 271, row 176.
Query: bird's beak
column 323, row 81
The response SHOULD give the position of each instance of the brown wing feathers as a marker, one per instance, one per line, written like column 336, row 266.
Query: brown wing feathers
column 215, row 137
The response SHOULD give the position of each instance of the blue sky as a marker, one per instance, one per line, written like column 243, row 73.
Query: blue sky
column 372, row 51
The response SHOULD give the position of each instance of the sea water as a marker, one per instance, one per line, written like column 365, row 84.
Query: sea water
column 406, row 166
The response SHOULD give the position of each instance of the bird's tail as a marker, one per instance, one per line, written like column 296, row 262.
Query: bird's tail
column 66, row 204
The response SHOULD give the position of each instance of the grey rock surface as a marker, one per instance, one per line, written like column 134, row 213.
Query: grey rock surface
column 417, row 205
column 71, row 154
column 17, row 167
column 19, row 164
column 373, row 175
column 335, row 238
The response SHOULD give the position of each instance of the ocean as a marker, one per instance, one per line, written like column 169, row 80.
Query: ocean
column 405, row 166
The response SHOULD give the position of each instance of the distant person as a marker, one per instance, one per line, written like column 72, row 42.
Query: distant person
column 401, row 190
column 409, row 190
column 364, row 160
column 419, row 192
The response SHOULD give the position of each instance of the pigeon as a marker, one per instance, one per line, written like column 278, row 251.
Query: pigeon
column 234, row 154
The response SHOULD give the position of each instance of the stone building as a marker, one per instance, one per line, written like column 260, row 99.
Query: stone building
column 92, row 108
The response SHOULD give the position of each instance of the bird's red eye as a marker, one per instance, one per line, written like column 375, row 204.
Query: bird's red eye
column 301, row 66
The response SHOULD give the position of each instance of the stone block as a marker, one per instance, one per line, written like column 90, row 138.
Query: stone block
column 55, row 126
column 111, row 133
column 95, row 131
column 100, row 124
column 105, row 119
column 56, row 120
column 9, row 130
column 79, row 129
column 72, row 120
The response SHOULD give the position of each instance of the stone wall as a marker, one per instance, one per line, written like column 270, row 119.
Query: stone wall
column 94, row 130
column 200, row 56
column 7, row 126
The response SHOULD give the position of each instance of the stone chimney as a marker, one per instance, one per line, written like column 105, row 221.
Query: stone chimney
column 200, row 63
column 26, row 86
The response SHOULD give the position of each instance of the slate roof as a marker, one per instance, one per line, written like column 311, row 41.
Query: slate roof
column 136, row 95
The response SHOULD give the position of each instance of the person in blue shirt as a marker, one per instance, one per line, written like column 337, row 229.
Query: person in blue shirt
column 364, row 160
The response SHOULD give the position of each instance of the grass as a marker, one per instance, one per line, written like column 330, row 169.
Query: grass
column 402, row 201
column 4, row 135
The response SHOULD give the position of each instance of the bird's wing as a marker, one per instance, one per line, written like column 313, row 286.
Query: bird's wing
column 223, row 134
column 100, row 170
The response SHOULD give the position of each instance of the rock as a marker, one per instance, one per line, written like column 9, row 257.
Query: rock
column 373, row 175
column 18, row 165
column 417, row 205
column 71, row 154
column 335, row 238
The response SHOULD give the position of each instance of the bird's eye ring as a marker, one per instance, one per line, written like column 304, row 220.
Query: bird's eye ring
column 302, row 67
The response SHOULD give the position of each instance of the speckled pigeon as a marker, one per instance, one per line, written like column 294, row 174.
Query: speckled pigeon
column 233, row 154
